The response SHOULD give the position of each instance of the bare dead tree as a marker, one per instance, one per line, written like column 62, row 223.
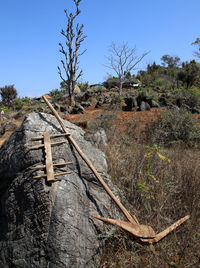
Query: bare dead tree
column 74, row 37
column 122, row 60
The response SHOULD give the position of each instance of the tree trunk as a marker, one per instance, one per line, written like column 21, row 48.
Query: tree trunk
column 120, row 88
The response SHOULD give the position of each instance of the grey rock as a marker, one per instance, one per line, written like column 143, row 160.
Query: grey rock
column 131, row 103
column 98, row 138
column 163, row 101
column 77, row 109
column 83, row 96
column 144, row 106
column 85, row 103
column 141, row 98
column 8, row 126
column 186, row 107
column 153, row 104
column 195, row 111
column 51, row 224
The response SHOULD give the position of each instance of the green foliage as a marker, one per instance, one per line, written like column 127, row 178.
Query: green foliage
column 192, row 96
column 175, row 126
column 111, row 82
column 5, row 109
column 148, row 92
column 197, row 44
column 116, row 101
column 170, row 62
column 189, row 74
column 20, row 102
column 83, row 86
column 171, row 75
column 57, row 93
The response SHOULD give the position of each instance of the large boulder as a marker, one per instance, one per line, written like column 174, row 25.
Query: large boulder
column 51, row 224
column 131, row 103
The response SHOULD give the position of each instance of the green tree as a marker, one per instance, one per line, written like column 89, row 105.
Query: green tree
column 190, row 74
column 170, row 62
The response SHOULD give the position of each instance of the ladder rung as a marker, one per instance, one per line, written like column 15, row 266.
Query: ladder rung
column 51, row 136
column 55, row 165
column 42, row 145
column 56, row 174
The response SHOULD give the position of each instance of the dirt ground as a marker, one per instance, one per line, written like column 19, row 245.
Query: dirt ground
column 123, row 118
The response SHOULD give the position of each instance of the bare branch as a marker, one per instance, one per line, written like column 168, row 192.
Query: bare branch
column 74, row 37
column 122, row 60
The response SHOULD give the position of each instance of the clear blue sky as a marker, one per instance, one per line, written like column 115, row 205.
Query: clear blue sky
column 30, row 33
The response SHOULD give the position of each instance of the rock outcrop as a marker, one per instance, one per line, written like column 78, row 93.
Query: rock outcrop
column 50, row 224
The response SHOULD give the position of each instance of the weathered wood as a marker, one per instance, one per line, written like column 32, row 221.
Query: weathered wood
column 36, row 146
column 51, row 136
column 164, row 233
column 90, row 165
column 137, row 230
column 55, row 175
column 42, row 145
column 48, row 156
column 55, row 165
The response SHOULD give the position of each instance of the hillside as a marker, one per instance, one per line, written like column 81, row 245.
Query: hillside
column 158, row 177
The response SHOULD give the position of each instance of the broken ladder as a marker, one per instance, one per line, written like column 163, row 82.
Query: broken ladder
column 50, row 175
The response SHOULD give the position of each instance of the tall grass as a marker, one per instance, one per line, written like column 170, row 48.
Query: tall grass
column 161, row 185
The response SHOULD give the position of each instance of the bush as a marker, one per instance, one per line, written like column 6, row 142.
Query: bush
column 116, row 101
column 8, row 95
column 57, row 93
column 192, row 96
column 83, row 86
column 111, row 83
column 174, row 126
column 148, row 93
column 18, row 103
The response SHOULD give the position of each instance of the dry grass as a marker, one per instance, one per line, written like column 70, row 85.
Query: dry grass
column 161, row 185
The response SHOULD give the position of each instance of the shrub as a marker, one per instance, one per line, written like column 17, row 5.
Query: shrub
column 111, row 82
column 148, row 93
column 83, row 86
column 116, row 101
column 192, row 96
column 8, row 95
column 57, row 93
column 18, row 103
column 174, row 126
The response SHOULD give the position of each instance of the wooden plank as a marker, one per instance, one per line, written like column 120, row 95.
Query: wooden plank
column 36, row 147
column 42, row 145
column 55, row 175
column 55, row 165
column 133, row 228
column 48, row 156
column 164, row 233
column 51, row 136
column 62, row 173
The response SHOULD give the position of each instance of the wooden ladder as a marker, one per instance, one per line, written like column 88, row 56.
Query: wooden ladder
column 50, row 175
